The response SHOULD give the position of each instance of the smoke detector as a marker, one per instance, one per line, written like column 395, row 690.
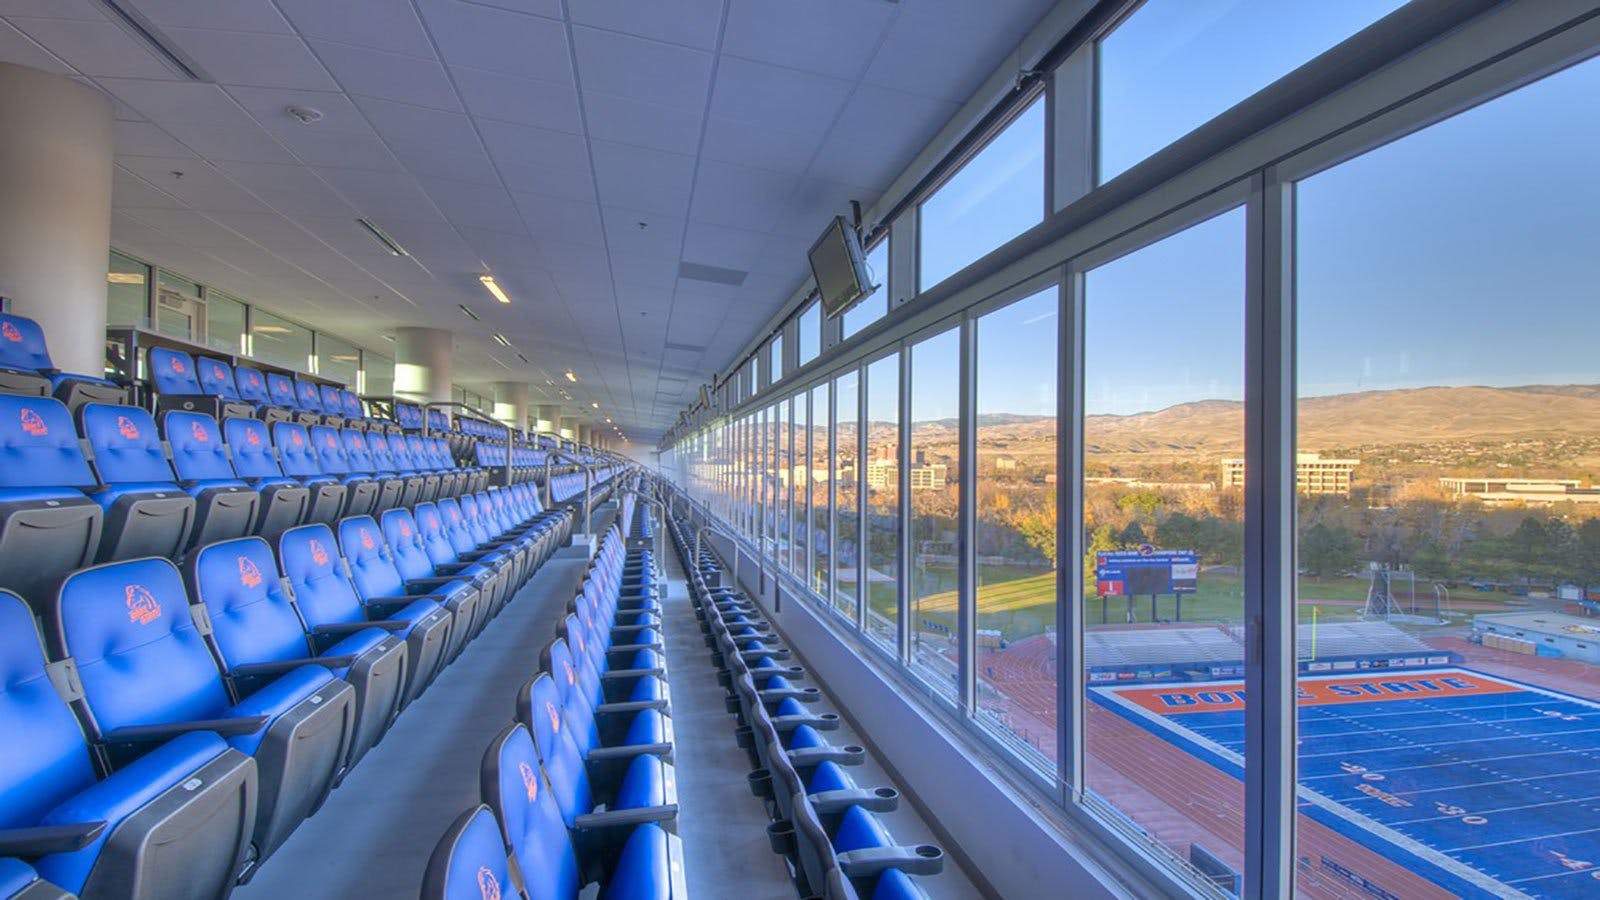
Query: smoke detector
column 305, row 114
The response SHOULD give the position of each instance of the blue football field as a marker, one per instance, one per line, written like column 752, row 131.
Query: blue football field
column 1489, row 787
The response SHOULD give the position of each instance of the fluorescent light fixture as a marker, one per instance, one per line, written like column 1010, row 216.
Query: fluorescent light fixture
column 389, row 244
column 500, row 339
column 125, row 278
column 468, row 312
column 494, row 288
column 270, row 329
column 608, row 420
column 572, row 376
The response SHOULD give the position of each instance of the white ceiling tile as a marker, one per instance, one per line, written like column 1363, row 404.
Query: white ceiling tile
column 652, row 275
column 775, row 149
column 643, row 179
column 475, row 206
column 833, row 37
column 231, row 15
column 430, row 141
column 390, row 25
column 166, row 102
column 200, row 186
column 814, row 204
column 242, row 142
column 642, row 124
column 526, row 101
column 94, row 48
column 384, row 197
column 258, row 60
column 145, row 139
column 53, row 9
column 693, row 23
column 484, row 37
column 16, row 47
column 739, row 196
column 662, row 236
column 128, row 190
column 269, row 107
column 558, row 218
column 626, row 66
column 715, row 245
column 389, row 76
column 945, row 48
column 289, row 189
column 879, row 132
column 347, row 151
column 778, row 97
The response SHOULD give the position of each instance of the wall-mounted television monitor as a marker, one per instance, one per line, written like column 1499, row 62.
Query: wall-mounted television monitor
column 840, row 268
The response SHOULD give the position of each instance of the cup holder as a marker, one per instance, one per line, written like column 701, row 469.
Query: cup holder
column 887, row 793
column 853, row 749
column 811, row 691
column 781, row 836
column 760, row 783
column 829, row 717
column 929, row 851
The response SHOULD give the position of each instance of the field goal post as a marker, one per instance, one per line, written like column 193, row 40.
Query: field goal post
column 1392, row 597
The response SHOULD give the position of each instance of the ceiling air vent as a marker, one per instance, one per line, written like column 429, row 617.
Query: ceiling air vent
column 159, row 44
column 712, row 274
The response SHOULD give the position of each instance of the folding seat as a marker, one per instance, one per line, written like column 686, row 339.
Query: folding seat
column 384, row 462
column 415, row 567
column 147, row 675
column 178, row 383
column 350, row 407
column 470, row 863
column 360, row 460
column 469, row 548
column 284, row 501
column 175, row 823
column 26, row 369
column 299, row 461
column 256, row 632
column 408, row 416
column 332, row 402
column 436, row 542
column 376, row 580
column 225, row 507
column 146, row 513
column 607, row 738
column 438, row 420
column 404, row 450
column 491, row 535
column 280, row 388
column 646, row 861
column 599, row 685
column 217, row 380
column 360, row 490
column 47, row 526
column 432, row 452
column 309, row 398
column 329, row 605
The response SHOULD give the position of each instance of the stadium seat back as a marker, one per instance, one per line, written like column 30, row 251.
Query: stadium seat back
column 253, row 456
column 252, row 385
column 513, row 785
column 332, row 403
column 330, row 450
column 410, row 558
column 310, row 557
column 39, row 446
column 307, row 395
column 371, row 566
column 22, row 344
column 295, row 453
column 558, row 751
column 280, row 388
column 408, row 416
column 43, row 758
column 455, row 526
column 470, row 862
column 382, row 459
column 418, row 452
column 350, row 405
column 140, row 658
column 127, row 448
column 173, row 372
column 198, row 453
column 356, row 452
column 252, row 620
column 431, row 530
column 216, row 378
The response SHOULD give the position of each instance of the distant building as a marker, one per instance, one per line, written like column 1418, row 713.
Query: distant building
column 1497, row 490
column 1004, row 463
column 929, row 477
column 1312, row 474
column 881, row 473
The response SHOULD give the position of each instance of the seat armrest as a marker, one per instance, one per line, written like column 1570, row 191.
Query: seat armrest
column 279, row 667
column 626, row 817
column 869, row 862
column 629, row 706
column 234, row 727
column 47, row 839
column 426, row 583
column 628, row 751
column 870, row 799
column 617, row 674
column 336, row 628
column 385, row 605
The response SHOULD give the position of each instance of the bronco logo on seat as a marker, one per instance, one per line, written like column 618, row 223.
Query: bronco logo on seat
column 252, row 438
column 366, row 539
column 555, row 717
column 177, row 364
column 142, row 606
column 298, row 440
column 405, row 530
column 249, row 575
column 529, row 780
column 10, row 332
column 127, row 429
column 488, row 884
column 319, row 554
column 572, row 677
column 200, row 433
column 33, row 423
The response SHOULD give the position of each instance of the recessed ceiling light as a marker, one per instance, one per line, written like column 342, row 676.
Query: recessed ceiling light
column 572, row 376
column 494, row 288
column 595, row 405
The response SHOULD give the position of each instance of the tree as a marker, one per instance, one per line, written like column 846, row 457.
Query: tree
column 1586, row 557
column 1326, row 551
column 1528, row 542
column 1038, row 529
column 1133, row 535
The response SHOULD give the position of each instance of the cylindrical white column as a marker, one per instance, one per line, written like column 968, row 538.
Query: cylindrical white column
column 569, row 428
column 511, row 403
column 55, row 211
column 424, row 363
column 549, row 417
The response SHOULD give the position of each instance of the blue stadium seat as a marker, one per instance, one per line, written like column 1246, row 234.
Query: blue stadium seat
column 385, row 463
column 299, row 461
column 47, row 526
column 645, row 863
column 252, row 386
column 259, row 636
column 361, row 491
column 404, row 537
column 350, row 406
column 26, row 369
column 332, row 402
column 607, row 749
column 469, row 548
column 310, row 398
column 361, row 464
column 148, row 677
column 280, row 388
column 470, row 862
column 446, row 561
column 146, row 513
column 175, row 823
column 408, row 416
column 404, row 450
column 225, row 507
column 19, row 881
column 330, row 606
column 182, row 383
column 373, row 572
column 284, row 501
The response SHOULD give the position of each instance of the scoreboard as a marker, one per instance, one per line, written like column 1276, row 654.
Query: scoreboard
column 1135, row 573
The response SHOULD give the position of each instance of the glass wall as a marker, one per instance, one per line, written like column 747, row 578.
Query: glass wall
column 799, row 478
column 127, row 292
column 996, row 196
column 879, row 575
column 935, row 460
column 809, row 328
column 1448, row 443
column 179, row 310
column 1163, row 588
column 280, row 342
column 846, row 474
column 225, row 324
column 377, row 375
column 875, row 305
column 775, row 359
column 1151, row 87
column 1014, row 544
column 819, row 483
column 337, row 360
